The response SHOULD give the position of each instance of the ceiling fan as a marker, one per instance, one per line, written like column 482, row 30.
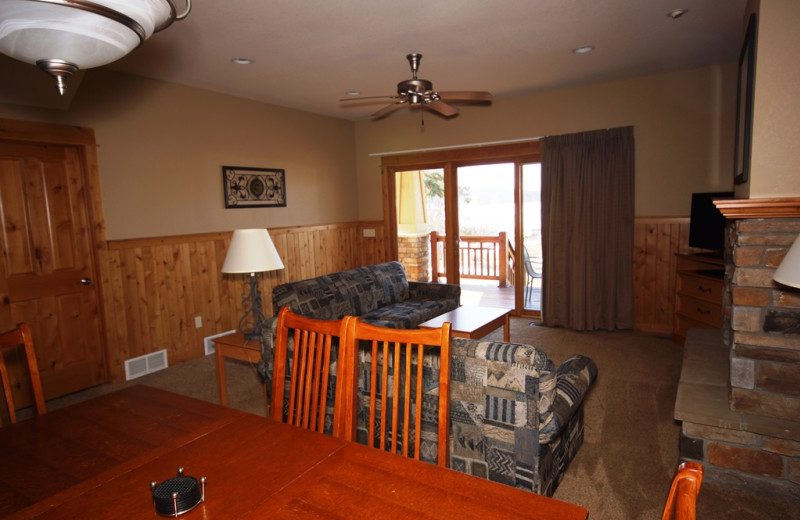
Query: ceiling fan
column 419, row 92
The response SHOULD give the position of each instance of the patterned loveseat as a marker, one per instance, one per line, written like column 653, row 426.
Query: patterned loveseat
column 514, row 417
column 379, row 294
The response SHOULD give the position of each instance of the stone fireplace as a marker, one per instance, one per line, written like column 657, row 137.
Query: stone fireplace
column 739, row 394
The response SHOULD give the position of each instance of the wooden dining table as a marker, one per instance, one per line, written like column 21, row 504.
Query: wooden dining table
column 97, row 459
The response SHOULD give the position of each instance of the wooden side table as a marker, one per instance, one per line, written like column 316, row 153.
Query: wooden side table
column 235, row 346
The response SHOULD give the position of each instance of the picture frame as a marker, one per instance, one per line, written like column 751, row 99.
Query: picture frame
column 246, row 187
column 744, row 104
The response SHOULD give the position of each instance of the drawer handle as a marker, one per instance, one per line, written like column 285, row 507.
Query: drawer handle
column 704, row 312
column 703, row 289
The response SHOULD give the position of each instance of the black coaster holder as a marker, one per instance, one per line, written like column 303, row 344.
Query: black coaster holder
column 178, row 495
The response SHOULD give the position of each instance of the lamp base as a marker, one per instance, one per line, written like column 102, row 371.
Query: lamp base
column 250, row 324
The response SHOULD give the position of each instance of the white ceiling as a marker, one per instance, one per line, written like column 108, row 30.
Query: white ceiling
column 307, row 53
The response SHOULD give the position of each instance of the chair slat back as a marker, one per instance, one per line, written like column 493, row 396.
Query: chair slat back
column 402, row 350
column 682, row 500
column 313, row 343
column 21, row 336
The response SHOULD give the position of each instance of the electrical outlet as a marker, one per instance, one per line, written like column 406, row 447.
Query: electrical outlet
column 369, row 232
column 198, row 322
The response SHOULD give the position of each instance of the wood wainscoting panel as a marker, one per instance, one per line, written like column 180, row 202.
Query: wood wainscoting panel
column 155, row 287
column 656, row 242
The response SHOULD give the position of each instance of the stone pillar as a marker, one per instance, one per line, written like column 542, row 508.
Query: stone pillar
column 755, row 439
column 765, row 321
column 414, row 253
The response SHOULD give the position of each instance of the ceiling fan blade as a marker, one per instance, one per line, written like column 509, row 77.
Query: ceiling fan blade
column 362, row 98
column 465, row 96
column 441, row 107
column 388, row 109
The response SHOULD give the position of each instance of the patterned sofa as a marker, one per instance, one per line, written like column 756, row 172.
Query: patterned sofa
column 514, row 417
column 379, row 294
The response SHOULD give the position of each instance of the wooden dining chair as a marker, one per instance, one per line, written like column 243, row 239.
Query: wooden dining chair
column 682, row 500
column 304, row 400
column 396, row 395
column 21, row 336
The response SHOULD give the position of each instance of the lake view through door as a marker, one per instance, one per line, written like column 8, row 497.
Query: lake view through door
column 485, row 212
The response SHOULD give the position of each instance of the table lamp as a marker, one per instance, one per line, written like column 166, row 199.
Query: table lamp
column 251, row 251
column 788, row 272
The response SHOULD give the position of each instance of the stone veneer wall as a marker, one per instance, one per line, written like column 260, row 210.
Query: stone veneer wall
column 755, row 439
column 414, row 253
column 764, row 321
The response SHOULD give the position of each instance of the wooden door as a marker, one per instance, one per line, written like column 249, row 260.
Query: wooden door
column 47, row 274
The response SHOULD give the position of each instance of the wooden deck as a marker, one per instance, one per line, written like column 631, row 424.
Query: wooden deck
column 488, row 294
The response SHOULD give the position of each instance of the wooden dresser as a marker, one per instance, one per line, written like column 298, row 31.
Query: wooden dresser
column 698, row 293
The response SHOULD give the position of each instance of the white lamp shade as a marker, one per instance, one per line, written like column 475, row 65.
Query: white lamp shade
column 35, row 30
column 788, row 272
column 251, row 251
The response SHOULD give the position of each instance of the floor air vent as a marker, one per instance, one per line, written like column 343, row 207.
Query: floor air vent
column 147, row 364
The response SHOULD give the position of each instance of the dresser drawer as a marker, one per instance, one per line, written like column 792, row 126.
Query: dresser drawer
column 700, row 287
column 700, row 310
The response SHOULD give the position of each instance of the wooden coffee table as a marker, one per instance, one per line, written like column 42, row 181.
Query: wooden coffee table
column 472, row 322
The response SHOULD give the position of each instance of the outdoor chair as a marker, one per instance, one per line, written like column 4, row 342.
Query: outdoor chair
column 533, row 270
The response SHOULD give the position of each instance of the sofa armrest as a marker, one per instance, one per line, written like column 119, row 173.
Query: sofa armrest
column 574, row 378
column 434, row 291
column 269, row 328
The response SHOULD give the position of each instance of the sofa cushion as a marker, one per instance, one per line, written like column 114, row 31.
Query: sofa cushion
column 364, row 289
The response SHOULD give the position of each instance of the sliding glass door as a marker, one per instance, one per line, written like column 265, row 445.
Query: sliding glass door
column 471, row 217
column 486, row 212
column 532, row 236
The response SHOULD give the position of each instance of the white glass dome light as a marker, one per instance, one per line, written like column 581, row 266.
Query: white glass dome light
column 62, row 36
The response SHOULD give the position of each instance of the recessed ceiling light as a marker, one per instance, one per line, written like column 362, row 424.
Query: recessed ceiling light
column 353, row 92
column 242, row 61
column 677, row 13
column 583, row 50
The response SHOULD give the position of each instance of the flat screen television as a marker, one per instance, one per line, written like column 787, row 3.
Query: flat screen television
column 706, row 223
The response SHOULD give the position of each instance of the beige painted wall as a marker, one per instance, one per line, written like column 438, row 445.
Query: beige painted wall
column 683, row 126
column 775, row 162
column 162, row 146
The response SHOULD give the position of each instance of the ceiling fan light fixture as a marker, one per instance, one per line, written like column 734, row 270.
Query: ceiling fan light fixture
column 416, row 92
column 62, row 36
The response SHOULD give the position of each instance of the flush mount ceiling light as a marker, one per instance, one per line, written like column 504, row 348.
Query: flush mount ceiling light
column 677, row 13
column 583, row 50
column 62, row 36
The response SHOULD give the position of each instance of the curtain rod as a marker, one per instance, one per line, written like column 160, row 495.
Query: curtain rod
column 454, row 147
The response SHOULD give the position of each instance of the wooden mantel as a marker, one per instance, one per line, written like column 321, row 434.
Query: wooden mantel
column 759, row 208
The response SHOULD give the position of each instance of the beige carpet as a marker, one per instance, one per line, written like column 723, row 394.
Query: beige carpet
column 624, row 469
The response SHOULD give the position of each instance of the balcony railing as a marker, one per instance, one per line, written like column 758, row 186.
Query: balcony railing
column 479, row 257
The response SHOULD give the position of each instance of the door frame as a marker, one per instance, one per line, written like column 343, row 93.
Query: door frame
column 449, row 159
column 83, row 140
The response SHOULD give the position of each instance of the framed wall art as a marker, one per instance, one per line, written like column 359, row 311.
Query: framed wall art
column 246, row 187
column 744, row 105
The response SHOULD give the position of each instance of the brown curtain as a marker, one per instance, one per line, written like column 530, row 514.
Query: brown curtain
column 587, row 230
